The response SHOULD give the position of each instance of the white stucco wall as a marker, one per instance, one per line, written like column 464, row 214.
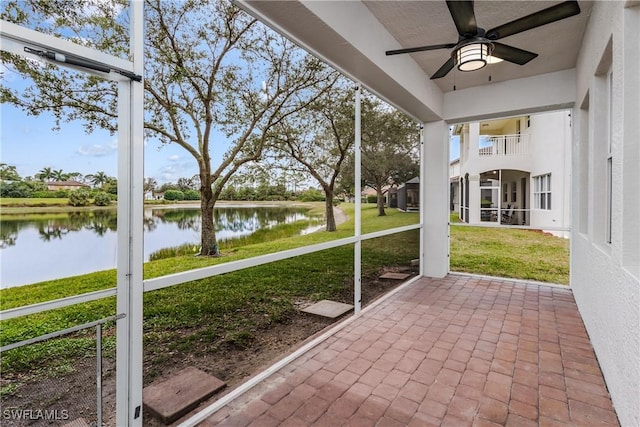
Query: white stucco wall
column 604, row 277
column 550, row 135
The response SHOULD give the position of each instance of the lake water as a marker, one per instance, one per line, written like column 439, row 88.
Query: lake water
column 68, row 244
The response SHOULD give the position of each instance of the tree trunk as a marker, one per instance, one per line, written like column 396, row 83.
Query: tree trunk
column 208, row 241
column 328, row 205
column 380, row 202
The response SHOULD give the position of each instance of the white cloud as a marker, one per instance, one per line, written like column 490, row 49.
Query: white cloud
column 174, row 158
column 176, row 170
column 98, row 150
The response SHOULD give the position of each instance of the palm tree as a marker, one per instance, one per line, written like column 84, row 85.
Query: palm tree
column 98, row 179
column 45, row 174
column 8, row 173
column 59, row 175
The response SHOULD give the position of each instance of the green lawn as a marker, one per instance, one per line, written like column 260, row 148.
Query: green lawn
column 29, row 202
column 519, row 254
column 226, row 307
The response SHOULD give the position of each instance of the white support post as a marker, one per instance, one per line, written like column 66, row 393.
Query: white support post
column 130, row 234
column 357, row 252
column 435, row 215
column 423, row 199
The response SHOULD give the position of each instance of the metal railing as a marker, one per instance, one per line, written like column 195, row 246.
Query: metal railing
column 505, row 216
column 29, row 413
column 506, row 145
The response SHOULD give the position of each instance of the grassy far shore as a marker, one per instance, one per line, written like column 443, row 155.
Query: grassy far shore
column 20, row 206
column 232, row 307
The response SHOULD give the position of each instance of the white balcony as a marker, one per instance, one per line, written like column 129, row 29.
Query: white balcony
column 505, row 145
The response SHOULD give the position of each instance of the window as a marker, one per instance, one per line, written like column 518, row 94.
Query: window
column 609, row 183
column 514, row 192
column 542, row 192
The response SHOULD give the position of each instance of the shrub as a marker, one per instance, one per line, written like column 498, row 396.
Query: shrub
column 312, row 195
column 372, row 199
column 192, row 195
column 15, row 189
column 111, row 188
column 79, row 198
column 173, row 195
column 102, row 199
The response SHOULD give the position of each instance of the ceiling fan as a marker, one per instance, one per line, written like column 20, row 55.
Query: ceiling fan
column 476, row 47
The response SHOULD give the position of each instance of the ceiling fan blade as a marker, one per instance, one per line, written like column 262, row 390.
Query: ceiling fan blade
column 537, row 19
column 444, row 70
column 420, row 49
column 512, row 54
column 464, row 17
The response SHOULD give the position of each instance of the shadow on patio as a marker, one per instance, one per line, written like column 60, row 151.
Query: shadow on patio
column 455, row 351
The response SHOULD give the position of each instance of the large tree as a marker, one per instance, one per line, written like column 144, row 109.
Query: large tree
column 389, row 149
column 319, row 138
column 208, row 67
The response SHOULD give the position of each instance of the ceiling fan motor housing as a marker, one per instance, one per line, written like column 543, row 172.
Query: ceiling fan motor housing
column 472, row 53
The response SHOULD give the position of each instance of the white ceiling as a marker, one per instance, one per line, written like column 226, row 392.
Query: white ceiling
column 420, row 23
column 352, row 35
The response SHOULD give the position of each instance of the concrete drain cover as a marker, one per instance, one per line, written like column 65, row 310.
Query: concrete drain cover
column 328, row 308
column 172, row 398
column 395, row 276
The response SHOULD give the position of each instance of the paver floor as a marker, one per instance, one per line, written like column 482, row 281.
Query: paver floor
column 453, row 352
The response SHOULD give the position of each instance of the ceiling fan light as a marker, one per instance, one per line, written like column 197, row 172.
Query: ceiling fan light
column 493, row 59
column 472, row 56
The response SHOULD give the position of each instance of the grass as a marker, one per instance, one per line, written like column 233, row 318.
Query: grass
column 32, row 202
column 229, row 309
column 519, row 254
column 514, row 253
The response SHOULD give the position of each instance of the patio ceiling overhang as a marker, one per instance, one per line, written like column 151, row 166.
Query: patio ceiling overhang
column 353, row 36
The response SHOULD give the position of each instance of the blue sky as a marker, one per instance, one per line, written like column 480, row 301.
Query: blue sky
column 454, row 147
column 30, row 144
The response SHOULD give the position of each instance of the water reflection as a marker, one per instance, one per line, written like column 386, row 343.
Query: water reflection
column 68, row 244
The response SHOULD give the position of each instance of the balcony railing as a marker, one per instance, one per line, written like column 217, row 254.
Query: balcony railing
column 506, row 145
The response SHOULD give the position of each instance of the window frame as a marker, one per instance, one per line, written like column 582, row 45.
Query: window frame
column 542, row 192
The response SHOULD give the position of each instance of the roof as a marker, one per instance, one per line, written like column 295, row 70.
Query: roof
column 67, row 184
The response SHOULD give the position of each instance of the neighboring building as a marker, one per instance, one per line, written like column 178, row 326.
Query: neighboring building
column 454, row 188
column 370, row 192
column 515, row 171
column 409, row 195
column 65, row 185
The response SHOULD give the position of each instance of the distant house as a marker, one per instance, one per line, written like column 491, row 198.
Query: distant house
column 409, row 195
column 153, row 195
column 388, row 195
column 454, row 188
column 514, row 171
column 65, row 185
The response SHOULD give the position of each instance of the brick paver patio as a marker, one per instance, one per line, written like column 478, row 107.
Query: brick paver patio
column 453, row 352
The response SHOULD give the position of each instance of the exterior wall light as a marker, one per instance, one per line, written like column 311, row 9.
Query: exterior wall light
column 473, row 55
